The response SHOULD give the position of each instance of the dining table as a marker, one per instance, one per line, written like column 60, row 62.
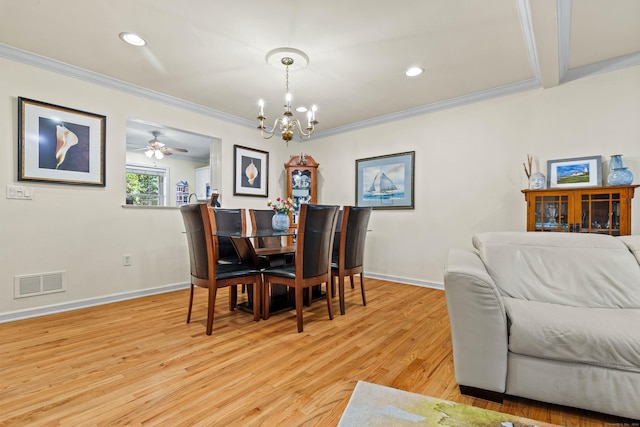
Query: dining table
column 281, row 297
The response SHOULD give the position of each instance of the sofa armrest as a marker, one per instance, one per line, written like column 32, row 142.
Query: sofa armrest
column 478, row 322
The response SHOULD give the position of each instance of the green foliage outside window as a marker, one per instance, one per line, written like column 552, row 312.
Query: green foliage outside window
column 143, row 189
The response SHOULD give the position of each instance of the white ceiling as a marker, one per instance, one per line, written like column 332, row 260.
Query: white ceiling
column 209, row 56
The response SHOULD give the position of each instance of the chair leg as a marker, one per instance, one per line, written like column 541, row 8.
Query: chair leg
column 329, row 298
column 233, row 297
column 212, row 303
column 299, row 308
column 341, row 294
column 190, row 304
column 257, row 286
column 364, row 300
column 266, row 288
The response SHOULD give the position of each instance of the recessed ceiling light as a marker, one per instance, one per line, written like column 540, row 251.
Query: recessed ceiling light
column 133, row 39
column 301, row 109
column 414, row 71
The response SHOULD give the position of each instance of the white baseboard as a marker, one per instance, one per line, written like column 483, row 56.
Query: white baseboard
column 407, row 281
column 75, row 305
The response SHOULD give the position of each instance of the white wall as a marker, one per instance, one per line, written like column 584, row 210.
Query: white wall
column 85, row 230
column 468, row 179
column 469, row 165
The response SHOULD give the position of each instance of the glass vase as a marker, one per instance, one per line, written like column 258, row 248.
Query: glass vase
column 280, row 221
column 618, row 174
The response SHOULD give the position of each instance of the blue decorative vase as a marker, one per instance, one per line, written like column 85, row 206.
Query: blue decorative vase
column 280, row 221
column 618, row 174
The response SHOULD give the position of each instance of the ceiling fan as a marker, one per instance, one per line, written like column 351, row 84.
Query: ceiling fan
column 159, row 149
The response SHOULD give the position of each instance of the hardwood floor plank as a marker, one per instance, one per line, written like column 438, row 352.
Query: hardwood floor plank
column 138, row 363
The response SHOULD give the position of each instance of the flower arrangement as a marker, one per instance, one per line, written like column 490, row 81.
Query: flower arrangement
column 281, row 205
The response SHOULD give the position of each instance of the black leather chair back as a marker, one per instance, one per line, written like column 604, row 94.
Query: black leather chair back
column 261, row 220
column 357, row 223
column 197, row 226
column 336, row 240
column 228, row 220
column 316, row 238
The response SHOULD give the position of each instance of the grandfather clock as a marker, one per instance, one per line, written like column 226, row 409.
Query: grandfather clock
column 302, row 183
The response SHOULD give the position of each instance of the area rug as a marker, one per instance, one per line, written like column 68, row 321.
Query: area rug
column 376, row 405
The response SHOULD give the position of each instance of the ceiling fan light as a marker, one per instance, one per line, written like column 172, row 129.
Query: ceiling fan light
column 149, row 153
column 159, row 154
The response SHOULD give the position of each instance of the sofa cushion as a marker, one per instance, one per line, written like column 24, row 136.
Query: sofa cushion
column 577, row 269
column 599, row 336
column 633, row 243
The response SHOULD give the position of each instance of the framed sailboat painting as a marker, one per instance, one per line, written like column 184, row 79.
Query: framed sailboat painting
column 386, row 182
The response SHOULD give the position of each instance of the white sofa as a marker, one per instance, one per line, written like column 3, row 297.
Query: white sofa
column 553, row 317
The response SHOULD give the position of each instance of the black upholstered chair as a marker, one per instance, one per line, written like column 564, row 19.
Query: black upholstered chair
column 348, row 253
column 205, row 271
column 232, row 220
column 312, row 265
column 261, row 220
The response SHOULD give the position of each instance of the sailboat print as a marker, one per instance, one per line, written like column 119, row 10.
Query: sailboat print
column 383, row 187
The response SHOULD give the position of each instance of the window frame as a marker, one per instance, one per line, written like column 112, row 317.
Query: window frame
column 163, row 185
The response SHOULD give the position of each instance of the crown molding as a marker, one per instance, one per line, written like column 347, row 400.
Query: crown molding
column 111, row 83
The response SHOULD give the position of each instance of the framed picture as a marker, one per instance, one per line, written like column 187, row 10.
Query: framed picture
column 386, row 182
column 575, row 172
column 250, row 172
column 60, row 145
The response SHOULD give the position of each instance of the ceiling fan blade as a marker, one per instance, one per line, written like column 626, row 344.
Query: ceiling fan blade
column 180, row 150
column 165, row 151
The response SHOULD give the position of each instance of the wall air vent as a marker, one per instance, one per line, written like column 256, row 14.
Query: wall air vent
column 29, row 285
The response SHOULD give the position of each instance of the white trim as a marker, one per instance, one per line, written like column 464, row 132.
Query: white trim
column 564, row 36
column 436, row 106
column 406, row 281
column 524, row 13
column 89, row 76
column 75, row 305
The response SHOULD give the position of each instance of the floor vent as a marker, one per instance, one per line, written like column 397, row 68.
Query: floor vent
column 29, row 285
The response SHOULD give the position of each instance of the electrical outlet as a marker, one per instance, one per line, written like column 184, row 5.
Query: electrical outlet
column 126, row 260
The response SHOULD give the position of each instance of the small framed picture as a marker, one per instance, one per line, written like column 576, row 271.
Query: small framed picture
column 386, row 182
column 250, row 172
column 60, row 145
column 575, row 172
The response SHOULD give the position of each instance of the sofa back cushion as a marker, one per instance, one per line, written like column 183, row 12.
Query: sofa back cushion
column 575, row 269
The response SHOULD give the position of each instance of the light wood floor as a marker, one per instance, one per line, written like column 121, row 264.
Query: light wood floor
column 138, row 363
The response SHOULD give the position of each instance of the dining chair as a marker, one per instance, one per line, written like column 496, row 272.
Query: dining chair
column 348, row 253
column 312, row 264
column 261, row 220
column 232, row 220
column 206, row 272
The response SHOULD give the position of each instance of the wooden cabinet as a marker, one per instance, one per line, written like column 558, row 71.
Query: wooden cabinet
column 605, row 210
column 302, row 183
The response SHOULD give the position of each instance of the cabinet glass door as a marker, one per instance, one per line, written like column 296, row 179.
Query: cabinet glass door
column 300, row 190
column 552, row 213
column 600, row 213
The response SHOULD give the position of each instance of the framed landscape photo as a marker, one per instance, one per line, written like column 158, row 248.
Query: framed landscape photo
column 60, row 145
column 575, row 172
column 250, row 172
column 386, row 182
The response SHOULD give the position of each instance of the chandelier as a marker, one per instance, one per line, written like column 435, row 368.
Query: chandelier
column 287, row 124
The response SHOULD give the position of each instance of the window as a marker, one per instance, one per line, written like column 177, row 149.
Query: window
column 146, row 185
